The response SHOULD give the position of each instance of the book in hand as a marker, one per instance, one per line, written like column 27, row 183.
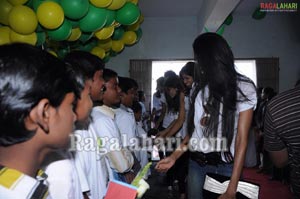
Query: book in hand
column 216, row 184
column 117, row 189
column 140, row 183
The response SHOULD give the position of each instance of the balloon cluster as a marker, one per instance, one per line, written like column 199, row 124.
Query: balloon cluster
column 102, row 27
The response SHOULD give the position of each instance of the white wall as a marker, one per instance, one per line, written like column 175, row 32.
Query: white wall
column 163, row 38
column 171, row 38
column 277, row 35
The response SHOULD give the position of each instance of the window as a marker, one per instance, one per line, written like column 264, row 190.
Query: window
column 247, row 68
column 262, row 71
column 160, row 67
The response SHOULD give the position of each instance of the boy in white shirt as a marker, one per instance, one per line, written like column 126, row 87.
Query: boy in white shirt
column 37, row 96
column 119, row 160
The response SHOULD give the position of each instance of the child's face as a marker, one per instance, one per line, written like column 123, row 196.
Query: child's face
column 97, row 84
column 84, row 104
column 187, row 80
column 172, row 92
column 61, row 122
column 128, row 98
column 112, row 94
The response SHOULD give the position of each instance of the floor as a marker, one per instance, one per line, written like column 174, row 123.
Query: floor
column 268, row 188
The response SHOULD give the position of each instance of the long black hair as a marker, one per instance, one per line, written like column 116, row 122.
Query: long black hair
column 215, row 70
column 173, row 103
column 187, row 69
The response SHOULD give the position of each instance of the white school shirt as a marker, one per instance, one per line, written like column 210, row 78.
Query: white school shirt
column 183, row 131
column 187, row 102
column 105, row 127
column 126, row 123
column 198, row 142
column 64, row 182
column 91, row 160
column 169, row 116
column 157, row 104
column 90, row 165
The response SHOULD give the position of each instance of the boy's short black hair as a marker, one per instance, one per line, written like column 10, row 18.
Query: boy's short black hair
column 88, row 62
column 126, row 83
column 27, row 75
column 108, row 74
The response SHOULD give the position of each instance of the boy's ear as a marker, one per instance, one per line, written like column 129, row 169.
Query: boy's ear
column 97, row 74
column 39, row 116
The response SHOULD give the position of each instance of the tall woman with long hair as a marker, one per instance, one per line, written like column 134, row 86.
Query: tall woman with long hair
column 219, row 119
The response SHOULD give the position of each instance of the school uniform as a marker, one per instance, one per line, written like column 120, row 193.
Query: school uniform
column 15, row 184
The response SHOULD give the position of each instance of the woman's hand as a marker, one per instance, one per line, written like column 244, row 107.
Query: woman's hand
column 165, row 164
column 227, row 195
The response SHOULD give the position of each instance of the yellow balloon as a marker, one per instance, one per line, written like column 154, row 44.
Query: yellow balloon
column 50, row 14
column 99, row 52
column 105, row 33
column 22, row 20
column 116, row 4
column 129, row 37
column 4, row 35
column 52, row 52
column 5, row 8
column 29, row 39
column 117, row 45
column 134, row 26
column 105, row 44
column 101, row 3
column 141, row 19
column 75, row 34
column 17, row 2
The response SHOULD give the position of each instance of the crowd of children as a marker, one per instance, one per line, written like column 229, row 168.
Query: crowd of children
column 85, row 125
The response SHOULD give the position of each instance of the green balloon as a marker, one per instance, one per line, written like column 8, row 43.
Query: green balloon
column 39, row 28
column 221, row 30
column 74, row 23
column 106, row 58
column 111, row 15
column 228, row 20
column 29, row 3
column 113, row 53
column 88, row 46
column 85, row 36
column 257, row 14
column 75, row 9
column 61, row 53
column 62, row 32
column 118, row 33
column 41, row 38
column 93, row 20
column 128, row 14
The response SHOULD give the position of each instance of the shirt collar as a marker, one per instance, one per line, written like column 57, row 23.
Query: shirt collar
column 107, row 111
column 126, row 108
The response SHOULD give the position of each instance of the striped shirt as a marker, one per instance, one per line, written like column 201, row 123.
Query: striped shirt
column 282, row 130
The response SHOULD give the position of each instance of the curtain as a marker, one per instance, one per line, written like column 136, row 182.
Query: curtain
column 267, row 70
column 141, row 71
